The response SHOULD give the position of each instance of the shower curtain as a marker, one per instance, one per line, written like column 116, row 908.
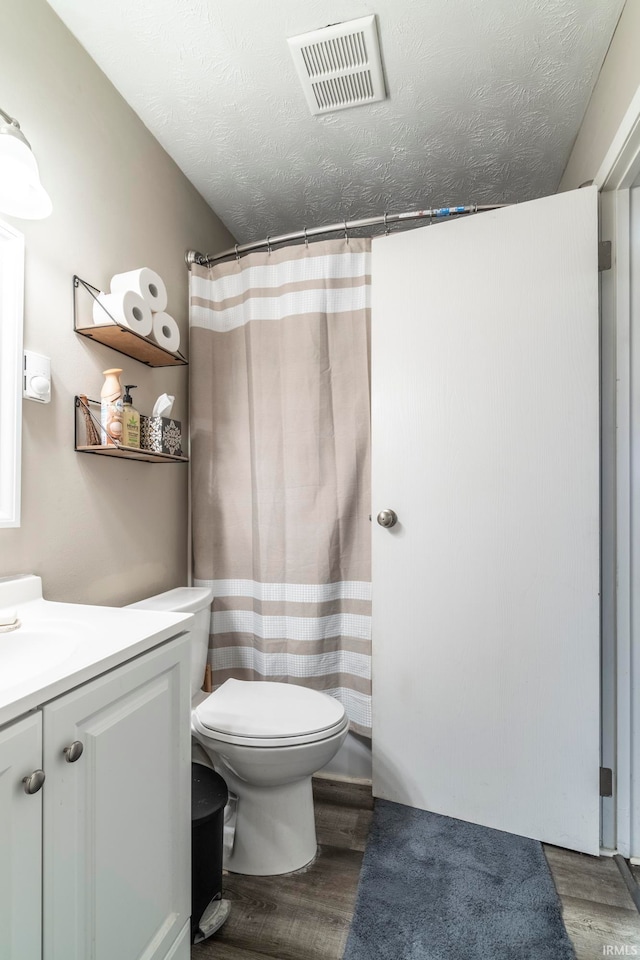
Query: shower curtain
column 280, row 453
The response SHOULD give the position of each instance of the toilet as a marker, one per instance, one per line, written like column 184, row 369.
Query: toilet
column 266, row 740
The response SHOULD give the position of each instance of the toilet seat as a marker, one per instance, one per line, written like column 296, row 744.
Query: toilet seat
column 268, row 714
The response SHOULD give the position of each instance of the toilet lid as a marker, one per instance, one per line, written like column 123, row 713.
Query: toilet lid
column 259, row 710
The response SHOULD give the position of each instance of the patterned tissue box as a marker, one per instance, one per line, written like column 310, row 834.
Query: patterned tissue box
column 161, row 435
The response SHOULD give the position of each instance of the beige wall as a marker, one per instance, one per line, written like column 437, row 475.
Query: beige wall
column 96, row 530
column 618, row 81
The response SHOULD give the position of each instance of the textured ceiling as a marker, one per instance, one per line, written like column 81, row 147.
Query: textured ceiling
column 485, row 99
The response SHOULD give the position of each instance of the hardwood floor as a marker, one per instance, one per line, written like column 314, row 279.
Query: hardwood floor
column 306, row 915
column 597, row 908
column 303, row 915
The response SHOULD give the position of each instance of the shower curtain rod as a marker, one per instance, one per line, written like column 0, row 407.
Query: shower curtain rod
column 436, row 213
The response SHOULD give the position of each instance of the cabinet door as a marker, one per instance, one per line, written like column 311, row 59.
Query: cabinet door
column 181, row 949
column 20, row 841
column 117, row 820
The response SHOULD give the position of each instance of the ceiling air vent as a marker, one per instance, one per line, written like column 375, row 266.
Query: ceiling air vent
column 339, row 66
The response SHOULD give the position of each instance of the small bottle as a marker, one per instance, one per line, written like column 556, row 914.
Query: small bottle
column 130, row 418
column 111, row 408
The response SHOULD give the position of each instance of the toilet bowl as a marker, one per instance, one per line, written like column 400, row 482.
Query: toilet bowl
column 267, row 740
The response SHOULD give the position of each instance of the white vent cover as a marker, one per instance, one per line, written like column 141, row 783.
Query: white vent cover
column 339, row 66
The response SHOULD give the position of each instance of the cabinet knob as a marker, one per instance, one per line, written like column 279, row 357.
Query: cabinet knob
column 33, row 783
column 73, row 752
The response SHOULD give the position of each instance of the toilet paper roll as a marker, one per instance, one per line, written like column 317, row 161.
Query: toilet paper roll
column 166, row 332
column 146, row 283
column 127, row 308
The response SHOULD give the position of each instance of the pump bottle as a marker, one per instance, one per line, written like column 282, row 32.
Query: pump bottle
column 130, row 418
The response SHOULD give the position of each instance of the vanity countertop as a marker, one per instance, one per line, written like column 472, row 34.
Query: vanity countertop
column 61, row 645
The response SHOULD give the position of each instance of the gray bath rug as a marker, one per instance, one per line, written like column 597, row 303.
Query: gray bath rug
column 434, row 888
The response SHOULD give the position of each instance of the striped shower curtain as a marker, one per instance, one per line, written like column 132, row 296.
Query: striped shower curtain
column 280, row 447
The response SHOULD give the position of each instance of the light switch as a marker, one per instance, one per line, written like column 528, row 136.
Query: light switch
column 36, row 380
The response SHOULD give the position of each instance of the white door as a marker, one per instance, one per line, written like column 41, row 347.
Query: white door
column 117, row 820
column 486, row 592
column 20, row 840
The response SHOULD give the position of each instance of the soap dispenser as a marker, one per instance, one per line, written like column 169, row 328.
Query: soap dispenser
column 130, row 418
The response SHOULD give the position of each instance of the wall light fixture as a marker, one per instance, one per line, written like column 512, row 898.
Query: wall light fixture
column 21, row 193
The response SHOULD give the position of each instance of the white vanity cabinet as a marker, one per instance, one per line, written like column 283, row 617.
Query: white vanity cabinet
column 117, row 820
column 20, row 840
column 113, row 817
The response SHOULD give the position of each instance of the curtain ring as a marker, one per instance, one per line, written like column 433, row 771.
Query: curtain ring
column 346, row 232
column 269, row 245
column 306, row 239
column 237, row 254
column 386, row 226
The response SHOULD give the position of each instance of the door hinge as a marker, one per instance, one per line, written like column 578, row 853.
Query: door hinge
column 606, row 782
column 604, row 255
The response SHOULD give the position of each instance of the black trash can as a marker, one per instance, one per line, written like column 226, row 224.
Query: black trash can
column 209, row 796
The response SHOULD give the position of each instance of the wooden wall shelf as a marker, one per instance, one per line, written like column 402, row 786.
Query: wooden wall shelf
column 132, row 453
column 117, row 336
column 84, row 412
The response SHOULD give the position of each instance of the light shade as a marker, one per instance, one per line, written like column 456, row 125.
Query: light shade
column 21, row 193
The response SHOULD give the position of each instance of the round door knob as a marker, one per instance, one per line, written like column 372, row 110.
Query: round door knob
column 73, row 752
column 387, row 518
column 33, row 783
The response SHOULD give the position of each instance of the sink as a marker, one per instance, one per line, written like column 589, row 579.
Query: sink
column 61, row 645
column 32, row 650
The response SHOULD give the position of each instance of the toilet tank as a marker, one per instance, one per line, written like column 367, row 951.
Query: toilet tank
column 195, row 600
